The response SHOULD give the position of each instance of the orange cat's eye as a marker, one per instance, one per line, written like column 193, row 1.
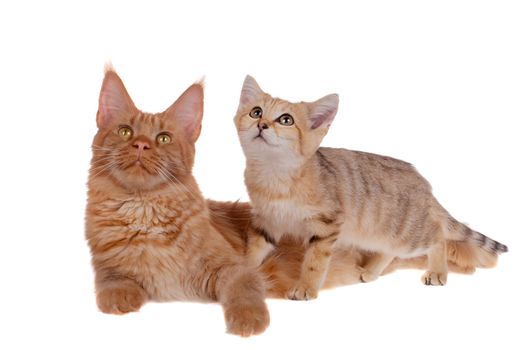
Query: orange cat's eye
column 163, row 139
column 125, row 132
column 256, row 112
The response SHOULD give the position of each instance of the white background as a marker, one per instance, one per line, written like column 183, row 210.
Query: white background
column 440, row 84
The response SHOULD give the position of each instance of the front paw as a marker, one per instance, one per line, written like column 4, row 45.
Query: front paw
column 246, row 320
column 120, row 300
column 430, row 278
column 368, row 276
column 302, row 292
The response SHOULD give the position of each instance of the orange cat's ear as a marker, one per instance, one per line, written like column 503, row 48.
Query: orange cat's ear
column 114, row 100
column 323, row 111
column 250, row 90
column 188, row 109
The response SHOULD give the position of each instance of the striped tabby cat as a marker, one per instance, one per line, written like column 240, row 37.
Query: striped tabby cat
column 334, row 198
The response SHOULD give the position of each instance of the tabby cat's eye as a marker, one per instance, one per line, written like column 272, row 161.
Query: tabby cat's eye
column 256, row 112
column 163, row 139
column 286, row 120
column 125, row 132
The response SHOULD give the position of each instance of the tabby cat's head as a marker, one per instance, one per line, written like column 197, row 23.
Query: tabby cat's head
column 272, row 129
column 141, row 150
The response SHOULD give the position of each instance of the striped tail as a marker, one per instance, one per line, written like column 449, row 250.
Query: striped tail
column 461, row 232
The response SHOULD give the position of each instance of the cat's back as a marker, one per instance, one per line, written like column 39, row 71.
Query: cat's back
column 359, row 158
column 370, row 173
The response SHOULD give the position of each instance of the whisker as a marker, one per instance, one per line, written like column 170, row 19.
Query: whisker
column 176, row 183
column 98, row 148
column 101, row 159
column 109, row 149
column 102, row 168
column 174, row 166
column 177, row 165
column 100, row 152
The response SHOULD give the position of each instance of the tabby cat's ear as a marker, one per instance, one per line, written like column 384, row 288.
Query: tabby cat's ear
column 250, row 90
column 114, row 100
column 323, row 111
column 188, row 109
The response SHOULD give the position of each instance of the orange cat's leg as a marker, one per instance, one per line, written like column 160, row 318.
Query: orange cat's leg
column 259, row 245
column 314, row 268
column 436, row 274
column 375, row 266
column 242, row 295
column 120, row 295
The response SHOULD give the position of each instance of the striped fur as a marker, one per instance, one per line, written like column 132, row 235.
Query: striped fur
column 335, row 198
column 282, row 266
column 464, row 233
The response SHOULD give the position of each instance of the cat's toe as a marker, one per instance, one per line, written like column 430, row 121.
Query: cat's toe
column 302, row 292
column 431, row 278
column 247, row 320
column 120, row 300
column 368, row 277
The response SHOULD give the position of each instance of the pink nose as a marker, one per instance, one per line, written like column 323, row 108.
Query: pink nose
column 141, row 145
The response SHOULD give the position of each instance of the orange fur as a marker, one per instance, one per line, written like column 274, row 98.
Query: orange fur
column 149, row 228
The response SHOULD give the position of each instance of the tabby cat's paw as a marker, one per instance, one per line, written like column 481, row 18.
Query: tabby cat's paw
column 120, row 300
column 246, row 320
column 430, row 278
column 302, row 292
column 368, row 276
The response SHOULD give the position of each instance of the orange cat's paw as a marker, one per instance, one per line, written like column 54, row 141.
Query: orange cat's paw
column 120, row 300
column 430, row 278
column 302, row 292
column 246, row 320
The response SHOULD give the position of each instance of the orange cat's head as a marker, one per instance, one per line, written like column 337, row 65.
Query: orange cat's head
column 273, row 129
column 142, row 151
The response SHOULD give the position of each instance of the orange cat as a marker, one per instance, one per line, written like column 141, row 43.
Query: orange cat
column 147, row 224
column 334, row 199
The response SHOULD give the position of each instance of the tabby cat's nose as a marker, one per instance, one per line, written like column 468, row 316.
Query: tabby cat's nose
column 262, row 125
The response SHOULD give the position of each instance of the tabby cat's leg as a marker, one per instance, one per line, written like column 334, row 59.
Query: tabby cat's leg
column 119, row 294
column 436, row 274
column 314, row 268
column 375, row 266
column 259, row 245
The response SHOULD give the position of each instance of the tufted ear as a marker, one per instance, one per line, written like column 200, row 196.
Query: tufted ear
column 114, row 100
column 187, row 111
column 323, row 111
column 250, row 90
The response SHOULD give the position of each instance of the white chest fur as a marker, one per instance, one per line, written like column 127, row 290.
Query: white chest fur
column 283, row 217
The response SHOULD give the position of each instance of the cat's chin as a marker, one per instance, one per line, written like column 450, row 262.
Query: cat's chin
column 260, row 141
column 138, row 178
